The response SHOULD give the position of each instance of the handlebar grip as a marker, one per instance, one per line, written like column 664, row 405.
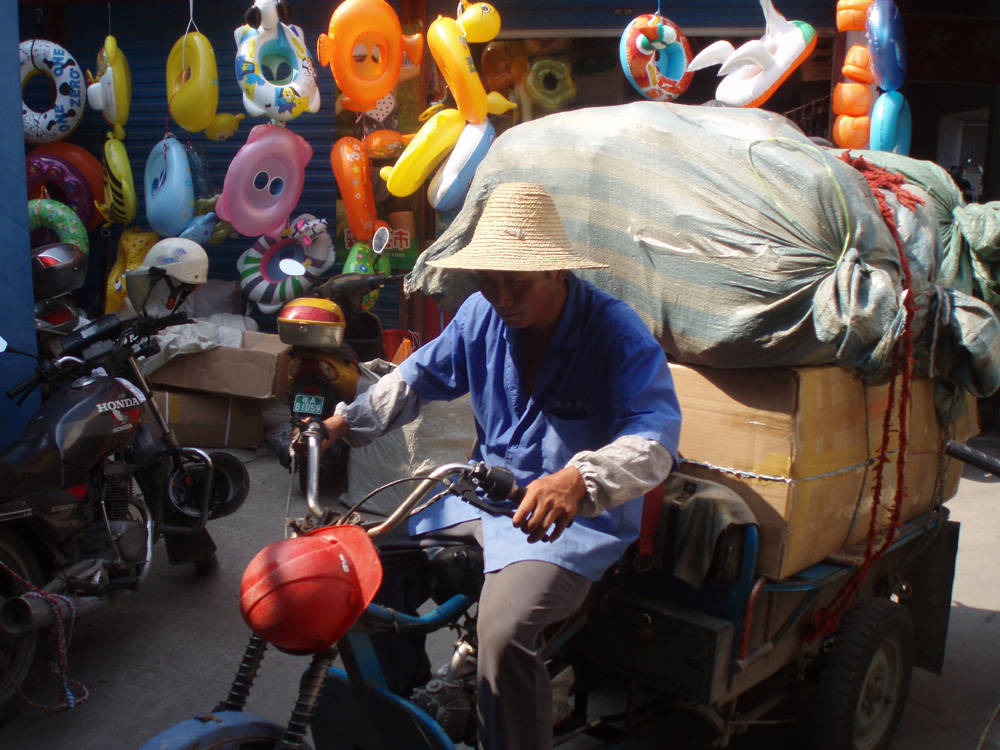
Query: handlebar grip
column 500, row 484
column 971, row 456
column 33, row 381
column 171, row 320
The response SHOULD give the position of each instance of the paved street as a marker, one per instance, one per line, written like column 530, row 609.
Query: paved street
column 169, row 651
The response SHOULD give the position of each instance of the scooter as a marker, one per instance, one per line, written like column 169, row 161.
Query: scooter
column 330, row 333
column 96, row 479
column 643, row 636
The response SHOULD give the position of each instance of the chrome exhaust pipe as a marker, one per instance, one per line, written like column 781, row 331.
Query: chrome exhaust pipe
column 22, row 614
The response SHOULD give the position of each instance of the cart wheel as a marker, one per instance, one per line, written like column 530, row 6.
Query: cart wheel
column 865, row 678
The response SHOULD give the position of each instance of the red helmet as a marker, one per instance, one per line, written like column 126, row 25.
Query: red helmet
column 303, row 594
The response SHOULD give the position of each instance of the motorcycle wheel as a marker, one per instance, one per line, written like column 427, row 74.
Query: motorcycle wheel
column 24, row 657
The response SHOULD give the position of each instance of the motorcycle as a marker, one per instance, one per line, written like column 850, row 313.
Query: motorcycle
column 95, row 480
column 57, row 270
column 643, row 635
column 330, row 332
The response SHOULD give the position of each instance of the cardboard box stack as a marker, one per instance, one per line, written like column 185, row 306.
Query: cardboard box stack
column 215, row 398
column 799, row 445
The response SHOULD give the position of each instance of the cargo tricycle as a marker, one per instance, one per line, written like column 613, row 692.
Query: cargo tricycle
column 730, row 650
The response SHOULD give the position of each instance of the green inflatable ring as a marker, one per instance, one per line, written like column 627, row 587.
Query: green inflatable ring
column 61, row 219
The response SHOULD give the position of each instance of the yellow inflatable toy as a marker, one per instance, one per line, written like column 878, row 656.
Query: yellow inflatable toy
column 120, row 203
column 193, row 88
column 428, row 148
column 132, row 248
column 110, row 91
column 453, row 58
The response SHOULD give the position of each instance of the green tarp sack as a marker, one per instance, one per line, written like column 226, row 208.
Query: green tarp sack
column 738, row 240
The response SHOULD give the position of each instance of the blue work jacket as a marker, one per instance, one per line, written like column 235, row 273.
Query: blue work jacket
column 603, row 376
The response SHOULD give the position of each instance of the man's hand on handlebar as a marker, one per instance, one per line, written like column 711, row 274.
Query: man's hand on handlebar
column 336, row 428
column 550, row 501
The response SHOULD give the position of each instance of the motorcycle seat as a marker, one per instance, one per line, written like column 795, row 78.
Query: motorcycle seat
column 30, row 466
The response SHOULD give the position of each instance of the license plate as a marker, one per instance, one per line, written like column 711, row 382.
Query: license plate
column 305, row 404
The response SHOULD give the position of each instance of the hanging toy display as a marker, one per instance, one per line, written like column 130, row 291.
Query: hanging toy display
column 752, row 73
column 110, row 90
column 193, row 88
column 66, row 109
column 891, row 123
column 264, row 181
column 262, row 276
column 364, row 49
column 655, row 56
column 448, row 40
column 266, row 43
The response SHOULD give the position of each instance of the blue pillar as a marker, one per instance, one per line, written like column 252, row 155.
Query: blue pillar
column 17, row 319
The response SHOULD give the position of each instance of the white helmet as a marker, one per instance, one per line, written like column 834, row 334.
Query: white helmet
column 182, row 264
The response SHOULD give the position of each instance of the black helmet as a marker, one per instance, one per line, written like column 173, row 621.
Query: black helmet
column 230, row 486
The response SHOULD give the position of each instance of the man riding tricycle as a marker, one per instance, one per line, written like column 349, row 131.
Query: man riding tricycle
column 568, row 558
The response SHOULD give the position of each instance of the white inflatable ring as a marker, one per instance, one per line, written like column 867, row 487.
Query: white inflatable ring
column 42, row 56
column 263, row 282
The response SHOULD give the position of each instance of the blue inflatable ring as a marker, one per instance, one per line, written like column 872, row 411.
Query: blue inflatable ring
column 891, row 124
column 887, row 44
column 169, row 188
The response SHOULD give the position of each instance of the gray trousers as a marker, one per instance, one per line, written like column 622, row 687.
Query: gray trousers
column 517, row 603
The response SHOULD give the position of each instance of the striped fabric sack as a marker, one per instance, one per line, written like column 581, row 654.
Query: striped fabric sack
column 739, row 241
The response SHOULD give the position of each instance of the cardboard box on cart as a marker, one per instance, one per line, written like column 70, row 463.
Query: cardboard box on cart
column 799, row 445
column 257, row 369
column 215, row 398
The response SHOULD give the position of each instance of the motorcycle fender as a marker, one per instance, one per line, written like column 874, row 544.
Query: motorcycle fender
column 223, row 730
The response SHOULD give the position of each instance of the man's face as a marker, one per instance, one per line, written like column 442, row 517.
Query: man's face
column 524, row 298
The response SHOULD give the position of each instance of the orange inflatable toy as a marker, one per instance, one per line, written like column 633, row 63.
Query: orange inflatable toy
column 367, row 29
column 353, row 171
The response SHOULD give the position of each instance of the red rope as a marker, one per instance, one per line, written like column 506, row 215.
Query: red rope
column 826, row 621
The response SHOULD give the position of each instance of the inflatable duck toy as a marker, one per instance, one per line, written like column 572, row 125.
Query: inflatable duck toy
column 754, row 72
column 110, row 91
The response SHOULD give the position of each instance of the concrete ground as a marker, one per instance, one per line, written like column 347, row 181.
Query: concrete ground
column 169, row 651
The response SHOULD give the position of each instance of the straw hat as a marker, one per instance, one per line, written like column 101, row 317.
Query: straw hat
column 520, row 230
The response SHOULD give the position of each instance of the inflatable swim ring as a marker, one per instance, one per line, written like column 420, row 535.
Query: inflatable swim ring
column 60, row 181
column 61, row 119
column 887, row 44
column 264, row 181
column 555, row 96
column 364, row 49
column 891, row 124
column 192, row 82
column 261, row 278
column 120, row 203
column 655, row 56
column 451, row 182
column 169, row 188
column 110, row 91
column 428, row 148
column 85, row 162
column 59, row 218
column 275, row 46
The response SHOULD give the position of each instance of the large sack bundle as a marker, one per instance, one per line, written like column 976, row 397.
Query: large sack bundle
column 740, row 242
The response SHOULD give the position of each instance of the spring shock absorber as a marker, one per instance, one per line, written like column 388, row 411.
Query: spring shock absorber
column 309, row 693
column 245, row 675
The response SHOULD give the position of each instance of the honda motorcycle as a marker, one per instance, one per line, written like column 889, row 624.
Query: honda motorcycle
column 96, row 479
